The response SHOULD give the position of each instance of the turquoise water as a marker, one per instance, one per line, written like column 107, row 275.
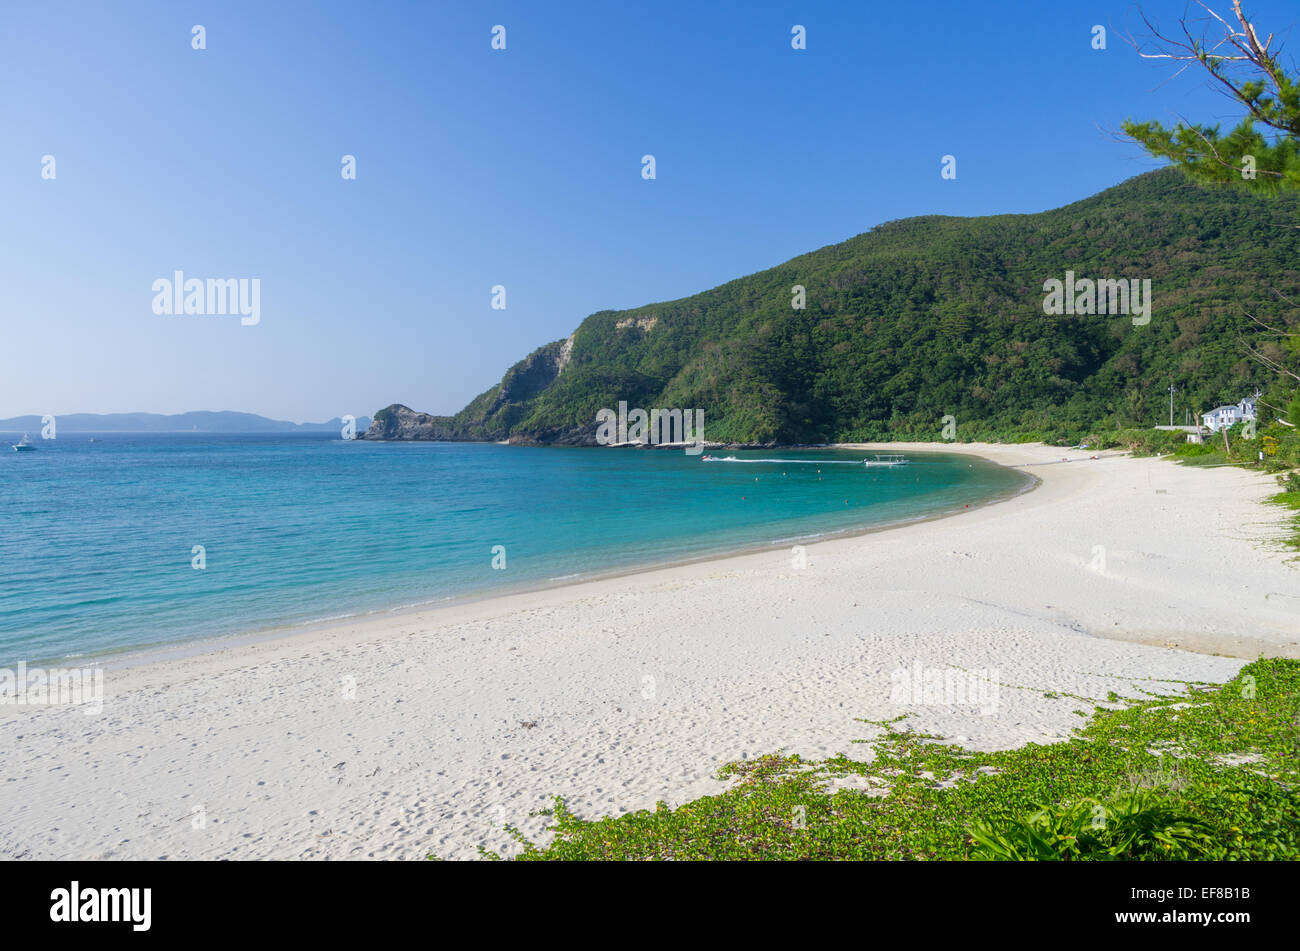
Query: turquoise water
column 96, row 539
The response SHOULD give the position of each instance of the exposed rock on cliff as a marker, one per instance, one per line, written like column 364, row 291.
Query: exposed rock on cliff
column 398, row 422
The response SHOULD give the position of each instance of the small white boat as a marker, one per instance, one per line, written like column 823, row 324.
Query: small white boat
column 886, row 460
column 24, row 444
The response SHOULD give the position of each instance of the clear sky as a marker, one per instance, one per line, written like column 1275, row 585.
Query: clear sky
column 478, row 167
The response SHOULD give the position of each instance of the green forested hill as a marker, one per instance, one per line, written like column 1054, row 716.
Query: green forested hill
column 925, row 317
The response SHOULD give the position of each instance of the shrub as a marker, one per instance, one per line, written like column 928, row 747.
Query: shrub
column 1138, row 826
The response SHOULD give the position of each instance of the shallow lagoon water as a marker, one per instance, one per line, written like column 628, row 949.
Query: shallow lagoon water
column 98, row 539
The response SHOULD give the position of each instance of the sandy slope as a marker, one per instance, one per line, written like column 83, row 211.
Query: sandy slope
column 405, row 734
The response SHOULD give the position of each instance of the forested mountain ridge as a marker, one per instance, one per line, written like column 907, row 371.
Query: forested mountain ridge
column 926, row 317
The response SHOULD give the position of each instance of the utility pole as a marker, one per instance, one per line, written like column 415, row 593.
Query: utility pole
column 1171, row 404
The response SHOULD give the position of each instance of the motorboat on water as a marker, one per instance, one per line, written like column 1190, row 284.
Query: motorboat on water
column 886, row 460
column 24, row 444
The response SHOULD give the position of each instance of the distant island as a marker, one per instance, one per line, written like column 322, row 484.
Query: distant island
column 196, row 422
column 931, row 317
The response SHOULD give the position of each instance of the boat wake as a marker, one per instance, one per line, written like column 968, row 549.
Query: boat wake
column 881, row 461
column 790, row 462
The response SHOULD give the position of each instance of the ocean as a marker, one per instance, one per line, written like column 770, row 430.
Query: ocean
column 142, row 540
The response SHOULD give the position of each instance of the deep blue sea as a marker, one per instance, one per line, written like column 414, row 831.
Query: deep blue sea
column 97, row 539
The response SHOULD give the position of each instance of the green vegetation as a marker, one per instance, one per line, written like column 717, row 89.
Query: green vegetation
column 931, row 316
column 1262, row 151
column 1272, row 448
column 1140, row 824
column 1260, row 154
column 1290, row 498
column 1213, row 774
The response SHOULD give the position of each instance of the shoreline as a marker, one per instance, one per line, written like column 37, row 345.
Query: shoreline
column 143, row 655
column 426, row 732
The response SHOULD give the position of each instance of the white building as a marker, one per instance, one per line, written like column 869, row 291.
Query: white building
column 1223, row 416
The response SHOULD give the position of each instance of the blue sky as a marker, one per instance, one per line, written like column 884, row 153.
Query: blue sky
column 478, row 167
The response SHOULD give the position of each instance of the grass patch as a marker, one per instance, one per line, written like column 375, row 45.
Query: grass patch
column 1290, row 498
column 1215, row 457
column 1213, row 774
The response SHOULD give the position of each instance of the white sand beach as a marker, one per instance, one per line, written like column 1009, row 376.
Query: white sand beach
column 425, row 731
